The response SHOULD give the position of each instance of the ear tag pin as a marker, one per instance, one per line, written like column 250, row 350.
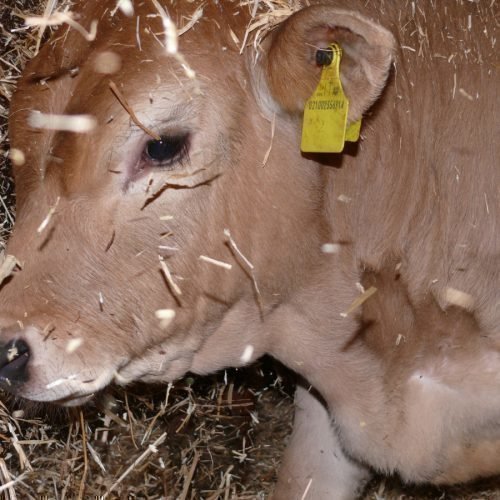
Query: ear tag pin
column 325, row 127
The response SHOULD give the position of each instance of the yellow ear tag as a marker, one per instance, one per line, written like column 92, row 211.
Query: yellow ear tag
column 353, row 131
column 324, row 128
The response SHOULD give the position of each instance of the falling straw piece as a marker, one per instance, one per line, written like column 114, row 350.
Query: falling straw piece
column 172, row 39
column 306, row 491
column 235, row 249
column 73, row 345
column 58, row 18
column 70, row 123
column 49, row 8
column 459, row 298
column 215, row 262
column 130, row 111
column 46, row 221
column 17, row 157
column 125, row 6
column 165, row 316
column 250, row 269
column 168, row 276
column 60, row 381
column 107, row 63
column 268, row 152
column 235, row 39
column 360, row 300
column 247, row 354
column 198, row 13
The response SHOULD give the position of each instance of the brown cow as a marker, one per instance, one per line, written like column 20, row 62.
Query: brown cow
column 411, row 376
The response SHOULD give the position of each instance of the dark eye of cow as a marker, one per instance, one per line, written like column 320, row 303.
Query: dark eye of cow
column 167, row 151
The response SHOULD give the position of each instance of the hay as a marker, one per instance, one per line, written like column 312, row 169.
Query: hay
column 246, row 265
column 117, row 447
column 172, row 285
column 58, row 18
column 215, row 262
column 48, row 217
column 133, row 116
column 69, row 123
column 365, row 295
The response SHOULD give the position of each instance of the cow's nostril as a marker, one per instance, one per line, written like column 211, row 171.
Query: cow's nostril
column 14, row 356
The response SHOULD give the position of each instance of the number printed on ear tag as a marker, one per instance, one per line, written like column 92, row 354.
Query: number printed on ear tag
column 325, row 114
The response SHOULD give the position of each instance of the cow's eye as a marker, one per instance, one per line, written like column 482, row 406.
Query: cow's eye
column 167, row 151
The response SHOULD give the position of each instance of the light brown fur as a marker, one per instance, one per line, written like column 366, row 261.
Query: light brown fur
column 410, row 380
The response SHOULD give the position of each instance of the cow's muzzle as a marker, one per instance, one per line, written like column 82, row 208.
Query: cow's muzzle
column 14, row 357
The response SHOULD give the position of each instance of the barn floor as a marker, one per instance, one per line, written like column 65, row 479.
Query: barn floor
column 218, row 437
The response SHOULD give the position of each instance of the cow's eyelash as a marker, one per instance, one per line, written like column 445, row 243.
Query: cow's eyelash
column 166, row 152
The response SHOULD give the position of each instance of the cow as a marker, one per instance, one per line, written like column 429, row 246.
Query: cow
column 179, row 228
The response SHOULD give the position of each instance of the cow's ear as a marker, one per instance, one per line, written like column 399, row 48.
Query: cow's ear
column 289, row 67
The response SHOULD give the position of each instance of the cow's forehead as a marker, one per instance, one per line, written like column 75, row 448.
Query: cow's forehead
column 207, row 53
column 205, row 48
column 156, row 84
column 200, row 26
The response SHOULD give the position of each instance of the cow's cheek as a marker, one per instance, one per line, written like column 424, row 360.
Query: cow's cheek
column 66, row 319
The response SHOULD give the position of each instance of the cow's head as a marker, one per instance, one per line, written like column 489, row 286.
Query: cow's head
column 135, row 213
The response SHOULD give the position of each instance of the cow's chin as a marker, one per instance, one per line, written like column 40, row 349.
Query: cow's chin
column 66, row 390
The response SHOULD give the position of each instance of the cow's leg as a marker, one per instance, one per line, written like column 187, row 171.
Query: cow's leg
column 314, row 459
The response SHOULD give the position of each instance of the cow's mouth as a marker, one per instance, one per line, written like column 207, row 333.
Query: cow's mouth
column 28, row 372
